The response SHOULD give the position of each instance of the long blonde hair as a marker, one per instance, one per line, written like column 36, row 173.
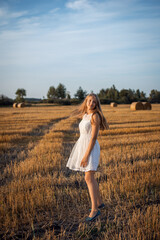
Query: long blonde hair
column 83, row 109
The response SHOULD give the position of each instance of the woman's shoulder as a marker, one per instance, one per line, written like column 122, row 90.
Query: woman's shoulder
column 96, row 117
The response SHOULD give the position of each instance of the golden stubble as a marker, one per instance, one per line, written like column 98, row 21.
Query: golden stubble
column 42, row 199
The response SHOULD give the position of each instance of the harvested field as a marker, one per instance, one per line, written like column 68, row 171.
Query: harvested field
column 42, row 199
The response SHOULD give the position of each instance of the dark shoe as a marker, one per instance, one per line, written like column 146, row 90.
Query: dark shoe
column 99, row 207
column 89, row 219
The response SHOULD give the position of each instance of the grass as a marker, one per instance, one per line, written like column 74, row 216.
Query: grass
column 42, row 199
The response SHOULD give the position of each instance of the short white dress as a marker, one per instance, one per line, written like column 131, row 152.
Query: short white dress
column 81, row 146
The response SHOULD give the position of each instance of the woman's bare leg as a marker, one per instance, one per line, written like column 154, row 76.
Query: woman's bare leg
column 99, row 200
column 93, row 191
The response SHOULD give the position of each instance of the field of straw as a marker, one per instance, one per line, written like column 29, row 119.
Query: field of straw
column 41, row 199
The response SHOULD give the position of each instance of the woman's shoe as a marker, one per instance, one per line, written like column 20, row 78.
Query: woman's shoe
column 99, row 207
column 89, row 219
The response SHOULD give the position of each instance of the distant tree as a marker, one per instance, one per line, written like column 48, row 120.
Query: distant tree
column 51, row 93
column 80, row 94
column 143, row 96
column 102, row 93
column 68, row 96
column 131, row 95
column 4, row 100
column 110, row 93
column 127, row 96
column 138, row 94
column 61, row 91
column 154, row 96
column 2, row 97
column 21, row 92
column 124, row 95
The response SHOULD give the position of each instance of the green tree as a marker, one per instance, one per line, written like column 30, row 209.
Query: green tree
column 138, row 94
column 143, row 96
column 80, row 94
column 102, row 93
column 154, row 96
column 51, row 93
column 131, row 97
column 124, row 95
column 68, row 96
column 61, row 91
column 21, row 92
column 109, row 93
column 112, row 93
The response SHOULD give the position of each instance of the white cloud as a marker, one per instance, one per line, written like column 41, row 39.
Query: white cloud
column 6, row 14
column 55, row 10
column 17, row 14
column 2, row 12
column 78, row 4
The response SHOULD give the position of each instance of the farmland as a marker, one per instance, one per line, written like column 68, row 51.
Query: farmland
column 42, row 199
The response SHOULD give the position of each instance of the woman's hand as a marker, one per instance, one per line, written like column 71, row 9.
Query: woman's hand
column 84, row 161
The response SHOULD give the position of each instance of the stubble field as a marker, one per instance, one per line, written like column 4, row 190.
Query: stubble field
column 41, row 199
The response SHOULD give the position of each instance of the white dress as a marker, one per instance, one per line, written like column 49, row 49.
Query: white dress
column 81, row 146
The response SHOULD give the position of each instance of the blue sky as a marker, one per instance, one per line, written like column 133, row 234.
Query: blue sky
column 88, row 43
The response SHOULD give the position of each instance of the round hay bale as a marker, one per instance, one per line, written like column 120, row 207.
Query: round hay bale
column 136, row 106
column 113, row 104
column 15, row 105
column 20, row 105
column 147, row 106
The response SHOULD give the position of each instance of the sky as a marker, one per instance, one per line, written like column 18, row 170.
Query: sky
column 89, row 43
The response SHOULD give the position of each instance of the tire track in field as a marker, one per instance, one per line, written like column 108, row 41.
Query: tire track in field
column 69, row 139
column 20, row 151
column 40, row 228
column 68, row 142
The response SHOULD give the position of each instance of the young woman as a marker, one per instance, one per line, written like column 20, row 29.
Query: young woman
column 86, row 152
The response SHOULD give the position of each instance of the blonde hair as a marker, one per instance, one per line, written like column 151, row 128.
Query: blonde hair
column 83, row 109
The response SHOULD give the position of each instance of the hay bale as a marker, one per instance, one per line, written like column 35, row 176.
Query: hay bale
column 113, row 104
column 15, row 105
column 136, row 106
column 20, row 105
column 147, row 106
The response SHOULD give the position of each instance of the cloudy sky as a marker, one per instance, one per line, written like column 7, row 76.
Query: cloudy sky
column 89, row 43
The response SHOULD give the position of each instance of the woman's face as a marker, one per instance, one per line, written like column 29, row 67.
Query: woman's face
column 91, row 103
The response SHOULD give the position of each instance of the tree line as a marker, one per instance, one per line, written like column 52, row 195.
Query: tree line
column 62, row 96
